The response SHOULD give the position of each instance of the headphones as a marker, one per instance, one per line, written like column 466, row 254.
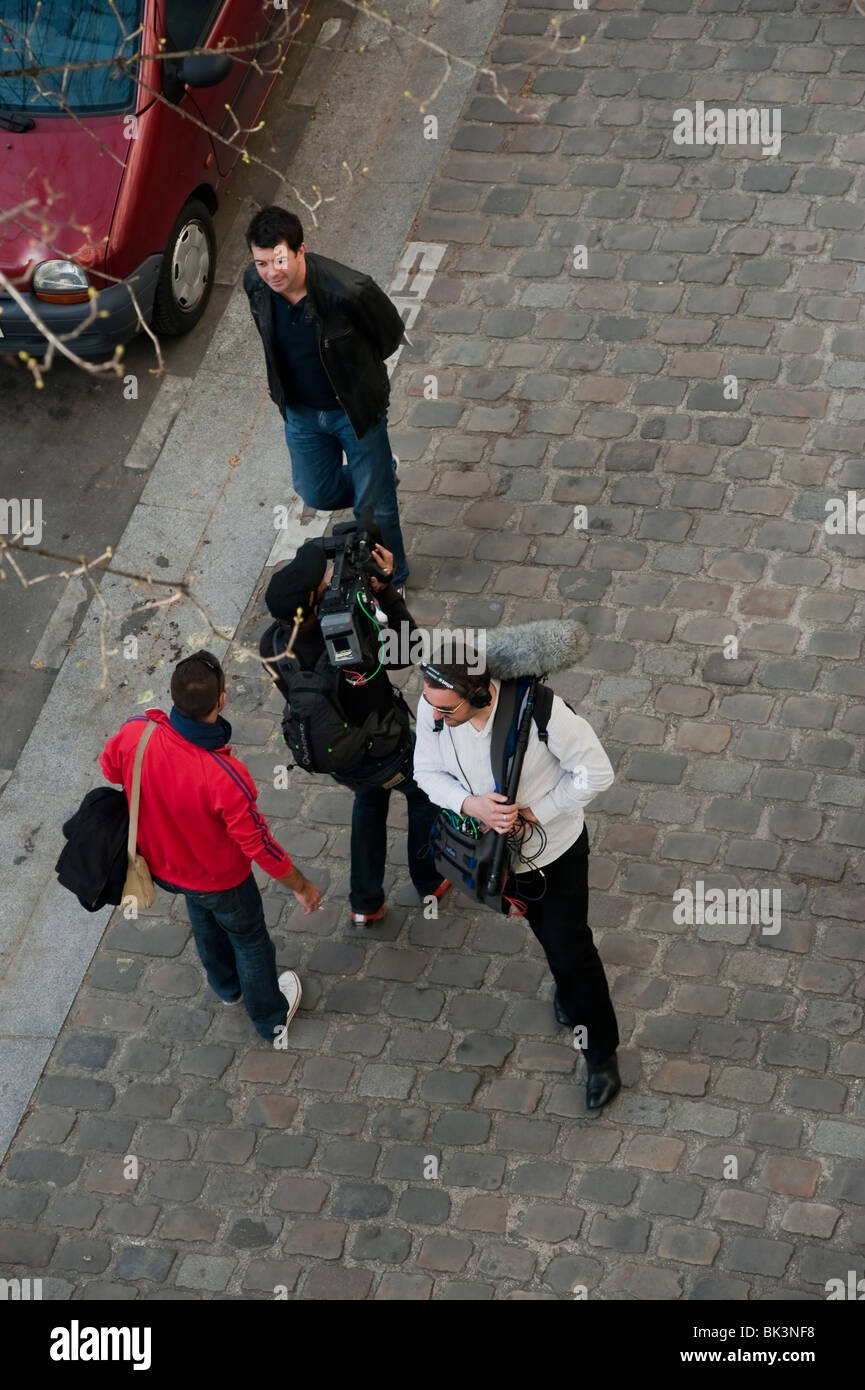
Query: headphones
column 478, row 697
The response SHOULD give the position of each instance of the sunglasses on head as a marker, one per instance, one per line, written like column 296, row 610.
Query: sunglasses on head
column 210, row 662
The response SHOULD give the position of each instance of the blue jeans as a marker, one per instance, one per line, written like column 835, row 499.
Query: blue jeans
column 236, row 951
column 369, row 841
column 317, row 440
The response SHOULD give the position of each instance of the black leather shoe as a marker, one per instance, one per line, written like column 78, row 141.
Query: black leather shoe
column 603, row 1083
column 561, row 1016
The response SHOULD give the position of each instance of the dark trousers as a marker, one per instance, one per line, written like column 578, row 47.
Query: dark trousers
column 316, row 442
column 558, row 920
column 369, row 841
column 236, row 951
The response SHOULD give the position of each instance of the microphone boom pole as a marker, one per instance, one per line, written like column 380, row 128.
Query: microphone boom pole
column 495, row 882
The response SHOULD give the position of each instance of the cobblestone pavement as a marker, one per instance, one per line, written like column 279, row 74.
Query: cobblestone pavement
column 559, row 387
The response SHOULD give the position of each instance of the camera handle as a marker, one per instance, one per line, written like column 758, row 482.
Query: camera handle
column 378, row 572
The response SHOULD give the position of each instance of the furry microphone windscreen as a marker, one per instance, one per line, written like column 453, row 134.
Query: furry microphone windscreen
column 535, row 649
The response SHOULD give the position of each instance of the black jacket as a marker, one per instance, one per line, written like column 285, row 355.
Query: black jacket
column 93, row 864
column 358, row 327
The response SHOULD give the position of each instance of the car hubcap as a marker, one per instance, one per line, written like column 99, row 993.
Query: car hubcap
column 190, row 266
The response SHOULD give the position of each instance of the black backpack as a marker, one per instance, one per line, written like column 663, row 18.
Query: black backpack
column 315, row 727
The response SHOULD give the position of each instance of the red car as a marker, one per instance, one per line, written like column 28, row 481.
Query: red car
column 101, row 177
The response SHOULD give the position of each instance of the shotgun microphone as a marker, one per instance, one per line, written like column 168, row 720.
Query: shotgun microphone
column 534, row 649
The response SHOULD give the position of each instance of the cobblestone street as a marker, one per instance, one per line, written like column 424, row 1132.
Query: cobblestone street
column 564, row 382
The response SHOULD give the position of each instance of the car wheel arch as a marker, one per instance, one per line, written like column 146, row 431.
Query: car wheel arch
column 206, row 194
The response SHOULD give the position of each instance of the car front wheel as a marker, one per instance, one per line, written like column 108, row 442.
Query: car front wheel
column 186, row 274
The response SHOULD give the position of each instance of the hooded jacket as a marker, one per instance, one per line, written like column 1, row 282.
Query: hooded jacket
column 198, row 823
column 358, row 327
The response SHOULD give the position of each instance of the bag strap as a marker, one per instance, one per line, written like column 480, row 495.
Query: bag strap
column 542, row 711
column 132, row 841
column 400, row 704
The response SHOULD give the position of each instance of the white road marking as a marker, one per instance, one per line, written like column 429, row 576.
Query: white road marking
column 290, row 538
column 158, row 421
column 423, row 258
column 430, row 255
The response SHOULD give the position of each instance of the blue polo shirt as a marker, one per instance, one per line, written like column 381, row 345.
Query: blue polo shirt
column 298, row 359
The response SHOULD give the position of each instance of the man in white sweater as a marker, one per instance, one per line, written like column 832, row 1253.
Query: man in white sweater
column 452, row 763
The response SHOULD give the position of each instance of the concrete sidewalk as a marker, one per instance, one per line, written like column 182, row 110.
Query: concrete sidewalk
column 167, row 1154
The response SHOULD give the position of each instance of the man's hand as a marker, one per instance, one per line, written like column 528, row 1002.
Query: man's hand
column 384, row 560
column 525, row 820
column 308, row 894
column 493, row 810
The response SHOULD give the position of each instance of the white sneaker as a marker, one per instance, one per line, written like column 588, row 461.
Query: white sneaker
column 289, row 983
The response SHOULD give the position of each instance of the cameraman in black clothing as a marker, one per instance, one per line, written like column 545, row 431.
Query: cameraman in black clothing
column 364, row 698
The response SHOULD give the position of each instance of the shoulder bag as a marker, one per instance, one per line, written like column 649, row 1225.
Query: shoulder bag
column 138, row 884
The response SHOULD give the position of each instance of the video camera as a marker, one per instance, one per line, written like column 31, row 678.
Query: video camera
column 347, row 606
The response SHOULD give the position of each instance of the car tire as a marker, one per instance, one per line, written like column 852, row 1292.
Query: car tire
column 186, row 274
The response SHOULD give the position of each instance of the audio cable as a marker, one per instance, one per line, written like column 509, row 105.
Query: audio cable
column 359, row 677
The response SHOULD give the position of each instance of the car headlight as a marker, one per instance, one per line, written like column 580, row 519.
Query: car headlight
column 61, row 282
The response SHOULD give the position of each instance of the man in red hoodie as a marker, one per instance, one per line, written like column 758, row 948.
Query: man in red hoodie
column 198, row 829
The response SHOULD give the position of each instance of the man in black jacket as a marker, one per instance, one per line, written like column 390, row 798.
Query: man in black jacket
column 326, row 331
column 299, row 586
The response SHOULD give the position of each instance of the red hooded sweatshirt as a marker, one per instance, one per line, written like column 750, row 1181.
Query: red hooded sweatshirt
column 198, row 824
